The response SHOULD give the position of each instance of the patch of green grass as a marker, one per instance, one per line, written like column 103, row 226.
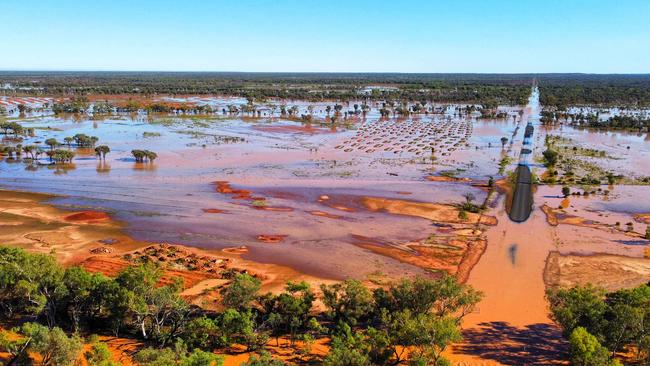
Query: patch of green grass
column 259, row 203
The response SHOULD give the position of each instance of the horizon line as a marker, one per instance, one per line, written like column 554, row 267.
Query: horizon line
column 318, row 72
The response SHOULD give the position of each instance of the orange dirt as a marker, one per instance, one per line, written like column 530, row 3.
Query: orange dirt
column 213, row 210
column 225, row 188
column 87, row 216
column 433, row 211
column 458, row 257
column 551, row 218
column 237, row 250
column 324, row 214
column 273, row 208
column 442, row 178
column 111, row 266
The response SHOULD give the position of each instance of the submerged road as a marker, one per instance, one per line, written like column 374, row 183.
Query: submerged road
column 522, row 200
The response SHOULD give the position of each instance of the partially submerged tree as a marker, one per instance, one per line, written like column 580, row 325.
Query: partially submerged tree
column 52, row 143
column 102, row 150
column 83, row 140
column 144, row 155
column 62, row 156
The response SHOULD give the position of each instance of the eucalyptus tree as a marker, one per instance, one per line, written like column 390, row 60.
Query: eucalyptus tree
column 102, row 150
column 52, row 143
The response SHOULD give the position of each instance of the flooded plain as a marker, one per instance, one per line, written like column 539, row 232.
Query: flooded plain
column 374, row 198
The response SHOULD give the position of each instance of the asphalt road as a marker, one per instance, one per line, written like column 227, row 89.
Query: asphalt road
column 522, row 201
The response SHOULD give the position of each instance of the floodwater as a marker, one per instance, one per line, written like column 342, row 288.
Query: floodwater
column 292, row 193
column 287, row 166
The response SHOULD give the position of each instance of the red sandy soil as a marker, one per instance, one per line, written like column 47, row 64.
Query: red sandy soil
column 237, row 250
column 244, row 194
column 559, row 216
column 441, row 178
column 456, row 258
column 324, row 214
column 273, row 208
column 111, row 266
column 433, row 211
column 225, row 188
column 87, row 216
column 213, row 210
column 551, row 218
column 271, row 238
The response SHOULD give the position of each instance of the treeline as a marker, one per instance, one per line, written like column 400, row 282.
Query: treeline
column 592, row 120
column 559, row 90
column 564, row 90
column 601, row 326
column 473, row 88
column 412, row 320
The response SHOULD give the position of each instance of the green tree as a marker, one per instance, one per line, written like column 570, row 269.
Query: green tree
column 53, row 345
column 156, row 357
column 550, row 157
column 264, row 359
column 289, row 312
column 202, row 332
column 347, row 349
column 62, row 156
column 30, row 283
column 144, row 155
column 241, row 291
column 581, row 306
column 201, row 358
column 15, row 347
column 52, row 143
column 83, row 140
column 586, row 350
column 158, row 311
column 151, row 156
column 444, row 297
column 114, row 304
column 349, row 301
column 628, row 317
column 436, row 333
column 240, row 327
column 101, row 151
column 99, row 355
column 81, row 287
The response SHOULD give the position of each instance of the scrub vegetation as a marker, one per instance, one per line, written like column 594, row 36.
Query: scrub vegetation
column 413, row 320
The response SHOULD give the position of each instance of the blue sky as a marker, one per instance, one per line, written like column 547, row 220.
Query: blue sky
column 594, row 36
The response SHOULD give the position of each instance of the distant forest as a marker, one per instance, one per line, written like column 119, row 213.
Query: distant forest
column 558, row 90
